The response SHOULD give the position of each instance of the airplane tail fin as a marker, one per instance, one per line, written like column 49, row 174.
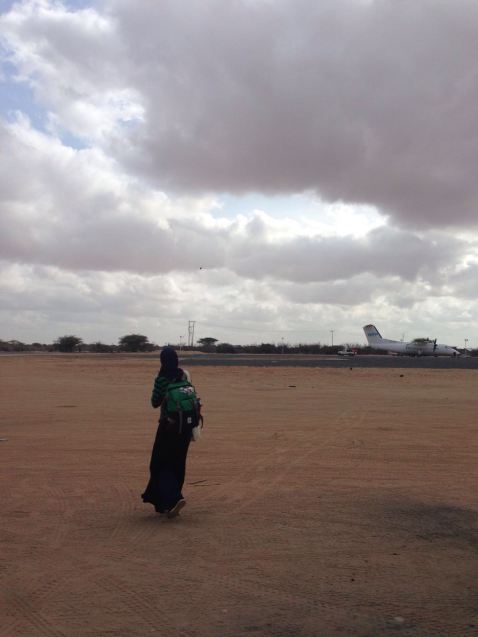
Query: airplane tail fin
column 372, row 334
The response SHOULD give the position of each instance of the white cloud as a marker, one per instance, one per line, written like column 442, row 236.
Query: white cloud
column 42, row 303
column 74, row 209
column 72, row 61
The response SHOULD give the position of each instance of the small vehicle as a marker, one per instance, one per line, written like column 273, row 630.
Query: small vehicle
column 347, row 351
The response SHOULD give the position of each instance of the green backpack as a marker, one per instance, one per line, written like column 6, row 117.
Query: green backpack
column 183, row 407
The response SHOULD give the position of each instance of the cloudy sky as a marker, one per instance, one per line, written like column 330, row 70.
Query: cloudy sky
column 272, row 169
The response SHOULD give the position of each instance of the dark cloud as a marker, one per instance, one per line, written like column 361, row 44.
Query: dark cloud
column 371, row 102
column 383, row 252
column 355, row 291
column 99, row 230
column 71, row 210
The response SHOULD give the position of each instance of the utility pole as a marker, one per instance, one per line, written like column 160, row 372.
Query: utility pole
column 332, row 333
column 191, row 333
column 466, row 349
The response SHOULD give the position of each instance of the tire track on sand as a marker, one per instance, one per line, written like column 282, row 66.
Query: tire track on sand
column 154, row 617
column 34, row 617
column 343, row 421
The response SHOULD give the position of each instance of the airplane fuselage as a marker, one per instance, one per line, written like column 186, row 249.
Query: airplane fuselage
column 417, row 347
column 414, row 349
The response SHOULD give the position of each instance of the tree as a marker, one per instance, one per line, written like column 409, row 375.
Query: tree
column 267, row 348
column 207, row 341
column 67, row 343
column 225, row 348
column 101, row 348
column 12, row 346
column 135, row 343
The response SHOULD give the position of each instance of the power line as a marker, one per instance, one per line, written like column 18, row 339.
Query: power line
column 255, row 329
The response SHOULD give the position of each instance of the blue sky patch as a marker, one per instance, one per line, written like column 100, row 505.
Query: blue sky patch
column 277, row 206
column 18, row 96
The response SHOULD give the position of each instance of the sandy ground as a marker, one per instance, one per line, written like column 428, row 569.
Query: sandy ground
column 320, row 502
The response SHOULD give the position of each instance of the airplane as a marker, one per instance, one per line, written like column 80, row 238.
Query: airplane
column 417, row 347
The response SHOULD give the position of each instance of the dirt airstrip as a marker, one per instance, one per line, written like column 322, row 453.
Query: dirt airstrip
column 319, row 502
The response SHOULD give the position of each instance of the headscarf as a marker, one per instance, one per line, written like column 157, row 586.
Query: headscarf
column 169, row 363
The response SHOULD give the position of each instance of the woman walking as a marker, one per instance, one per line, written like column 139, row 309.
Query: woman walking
column 168, row 458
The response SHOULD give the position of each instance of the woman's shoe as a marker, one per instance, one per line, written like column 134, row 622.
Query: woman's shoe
column 174, row 511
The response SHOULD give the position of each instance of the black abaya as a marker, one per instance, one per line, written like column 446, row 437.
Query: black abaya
column 167, row 468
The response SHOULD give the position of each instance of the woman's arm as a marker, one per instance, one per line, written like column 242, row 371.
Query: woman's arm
column 159, row 391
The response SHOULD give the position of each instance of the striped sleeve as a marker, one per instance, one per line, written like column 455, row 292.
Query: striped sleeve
column 159, row 390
